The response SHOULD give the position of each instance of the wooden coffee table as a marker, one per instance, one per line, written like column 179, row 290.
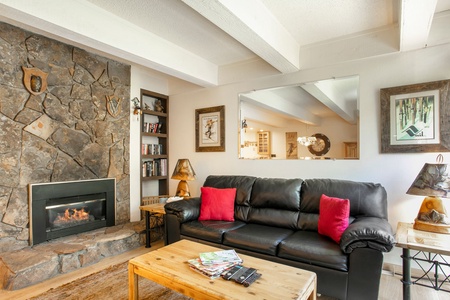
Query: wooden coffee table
column 168, row 266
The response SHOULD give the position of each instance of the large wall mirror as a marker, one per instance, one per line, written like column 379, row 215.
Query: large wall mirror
column 314, row 120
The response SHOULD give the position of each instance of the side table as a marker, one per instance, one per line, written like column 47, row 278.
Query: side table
column 430, row 246
column 154, row 216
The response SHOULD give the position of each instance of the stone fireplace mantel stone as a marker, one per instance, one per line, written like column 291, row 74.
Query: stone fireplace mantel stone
column 31, row 265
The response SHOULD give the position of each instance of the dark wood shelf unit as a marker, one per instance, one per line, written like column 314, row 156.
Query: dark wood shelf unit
column 160, row 137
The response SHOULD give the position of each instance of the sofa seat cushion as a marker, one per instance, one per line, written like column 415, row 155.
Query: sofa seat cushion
column 313, row 248
column 257, row 238
column 208, row 230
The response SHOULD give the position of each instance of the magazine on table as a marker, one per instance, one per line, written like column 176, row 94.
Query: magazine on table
column 212, row 270
column 217, row 257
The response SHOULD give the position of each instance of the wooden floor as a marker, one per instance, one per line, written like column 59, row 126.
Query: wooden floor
column 390, row 288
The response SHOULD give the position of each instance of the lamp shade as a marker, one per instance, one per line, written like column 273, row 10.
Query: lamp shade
column 432, row 180
column 183, row 170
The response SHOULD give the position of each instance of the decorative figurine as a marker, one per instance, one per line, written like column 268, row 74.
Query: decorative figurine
column 35, row 80
column 158, row 106
column 113, row 105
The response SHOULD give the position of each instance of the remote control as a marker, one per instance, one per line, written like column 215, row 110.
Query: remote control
column 238, row 273
column 251, row 279
column 245, row 275
column 234, row 270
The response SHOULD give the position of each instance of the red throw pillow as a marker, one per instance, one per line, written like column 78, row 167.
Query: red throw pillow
column 217, row 204
column 333, row 217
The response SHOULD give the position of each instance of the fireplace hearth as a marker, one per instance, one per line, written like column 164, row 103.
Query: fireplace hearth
column 60, row 209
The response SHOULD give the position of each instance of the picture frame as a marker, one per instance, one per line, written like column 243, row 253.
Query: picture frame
column 415, row 118
column 210, row 129
column 291, row 145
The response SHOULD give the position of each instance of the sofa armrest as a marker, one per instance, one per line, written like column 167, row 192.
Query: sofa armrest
column 184, row 210
column 368, row 232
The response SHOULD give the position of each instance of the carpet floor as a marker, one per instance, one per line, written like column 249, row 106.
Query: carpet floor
column 110, row 283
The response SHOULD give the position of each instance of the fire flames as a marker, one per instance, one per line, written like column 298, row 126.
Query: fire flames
column 71, row 215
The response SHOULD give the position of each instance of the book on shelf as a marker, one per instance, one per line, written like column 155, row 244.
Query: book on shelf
column 152, row 127
column 155, row 167
column 152, row 149
column 218, row 257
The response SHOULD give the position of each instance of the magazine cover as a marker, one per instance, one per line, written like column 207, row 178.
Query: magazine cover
column 208, row 258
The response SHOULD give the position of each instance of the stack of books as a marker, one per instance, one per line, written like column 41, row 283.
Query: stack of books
column 213, row 264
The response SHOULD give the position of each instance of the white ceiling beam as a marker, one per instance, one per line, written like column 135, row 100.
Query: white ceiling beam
column 254, row 26
column 415, row 18
column 336, row 104
column 275, row 103
column 86, row 24
column 253, row 113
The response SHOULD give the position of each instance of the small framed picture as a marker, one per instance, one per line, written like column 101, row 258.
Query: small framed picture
column 210, row 129
column 291, row 145
column 414, row 118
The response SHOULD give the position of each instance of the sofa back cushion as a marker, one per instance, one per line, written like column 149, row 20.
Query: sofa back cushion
column 243, row 185
column 366, row 199
column 275, row 202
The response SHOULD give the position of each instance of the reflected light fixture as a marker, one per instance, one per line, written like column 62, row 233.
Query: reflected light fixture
column 433, row 183
column 306, row 140
column 184, row 172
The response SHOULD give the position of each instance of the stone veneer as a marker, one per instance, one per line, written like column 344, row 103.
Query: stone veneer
column 63, row 134
column 31, row 265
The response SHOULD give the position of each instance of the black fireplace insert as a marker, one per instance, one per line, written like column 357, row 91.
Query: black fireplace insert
column 60, row 209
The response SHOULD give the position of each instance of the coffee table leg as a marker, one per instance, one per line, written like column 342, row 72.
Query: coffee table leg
column 406, row 274
column 313, row 295
column 133, row 288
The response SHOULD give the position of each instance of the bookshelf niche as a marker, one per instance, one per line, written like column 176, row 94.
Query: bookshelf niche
column 154, row 147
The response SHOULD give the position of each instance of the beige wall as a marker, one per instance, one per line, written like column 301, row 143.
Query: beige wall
column 394, row 171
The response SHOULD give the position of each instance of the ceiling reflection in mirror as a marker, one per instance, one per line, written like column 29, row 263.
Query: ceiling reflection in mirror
column 314, row 120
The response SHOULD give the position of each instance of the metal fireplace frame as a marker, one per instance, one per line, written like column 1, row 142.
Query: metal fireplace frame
column 41, row 192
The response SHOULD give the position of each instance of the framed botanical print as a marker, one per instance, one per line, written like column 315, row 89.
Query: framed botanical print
column 415, row 118
column 210, row 129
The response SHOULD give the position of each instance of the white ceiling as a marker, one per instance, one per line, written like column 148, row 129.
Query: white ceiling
column 231, row 31
column 206, row 42
column 209, row 36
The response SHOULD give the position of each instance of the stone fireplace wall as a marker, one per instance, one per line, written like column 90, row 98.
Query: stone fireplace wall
column 65, row 133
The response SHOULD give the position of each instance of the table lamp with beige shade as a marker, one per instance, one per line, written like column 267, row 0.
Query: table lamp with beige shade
column 432, row 182
column 184, row 172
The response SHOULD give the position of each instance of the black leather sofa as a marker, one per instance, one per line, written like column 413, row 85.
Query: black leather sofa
column 277, row 219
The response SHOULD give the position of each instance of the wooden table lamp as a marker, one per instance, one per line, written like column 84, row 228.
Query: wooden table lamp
column 432, row 182
column 183, row 171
